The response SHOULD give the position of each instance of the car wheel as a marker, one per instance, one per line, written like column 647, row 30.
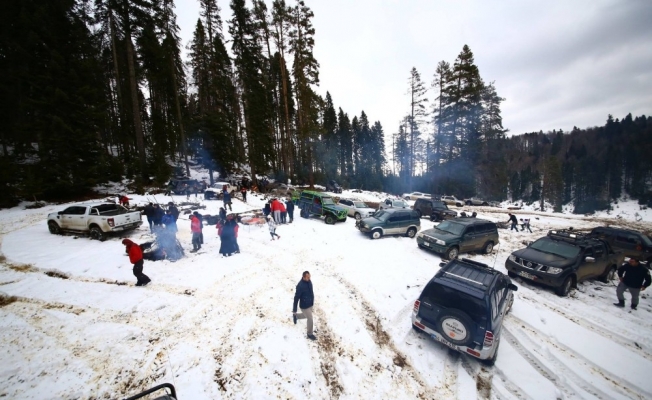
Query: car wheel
column 485, row 204
column 565, row 287
column 455, row 326
column 418, row 213
column 97, row 234
column 357, row 216
column 304, row 214
column 511, row 274
column 488, row 247
column 509, row 306
column 418, row 330
column 459, row 204
column 468, row 203
column 434, row 217
column 54, row 228
column 330, row 220
column 411, row 233
column 452, row 253
column 609, row 274
column 377, row 234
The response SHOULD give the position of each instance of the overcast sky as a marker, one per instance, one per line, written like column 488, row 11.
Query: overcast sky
column 558, row 64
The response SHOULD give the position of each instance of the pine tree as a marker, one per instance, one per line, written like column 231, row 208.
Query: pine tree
column 416, row 91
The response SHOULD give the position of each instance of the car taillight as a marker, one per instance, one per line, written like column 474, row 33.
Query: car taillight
column 111, row 222
column 416, row 306
column 488, row 339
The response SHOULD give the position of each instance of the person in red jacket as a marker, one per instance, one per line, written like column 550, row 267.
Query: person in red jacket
column 136, row 258
column 276, row 210
column 195, row 228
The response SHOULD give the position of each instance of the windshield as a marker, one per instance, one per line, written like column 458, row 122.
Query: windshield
column 451, row 227
column 360, row 204
column 381, row 215
column 327, row 201
column 400, row 203
column 646, row 241
column 557, row 248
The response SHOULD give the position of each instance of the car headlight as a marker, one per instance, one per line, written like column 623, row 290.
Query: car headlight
column 365, row 226
column 440, row 242
column 554, row 270
column 512, row 257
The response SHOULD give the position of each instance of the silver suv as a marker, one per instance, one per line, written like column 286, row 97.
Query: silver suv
column 356, row 208
column 393, row 203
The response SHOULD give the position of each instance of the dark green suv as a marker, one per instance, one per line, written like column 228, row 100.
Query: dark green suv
column 460, row 235
column 316, row 204
column 393, row 221
column 630, row 243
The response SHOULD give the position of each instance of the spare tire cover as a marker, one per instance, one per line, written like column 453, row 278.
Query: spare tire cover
column 456, row 327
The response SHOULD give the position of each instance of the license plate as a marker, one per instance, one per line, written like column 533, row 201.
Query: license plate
column 526, row 275
column 444, row 341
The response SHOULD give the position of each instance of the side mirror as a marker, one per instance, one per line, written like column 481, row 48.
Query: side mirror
column 513, row 287
column 589, row 259
column 527, row 242
column 60, row 212
column 442, row 264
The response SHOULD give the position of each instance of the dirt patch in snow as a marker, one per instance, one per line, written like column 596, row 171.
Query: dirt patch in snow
column 6, row 300
column 57, row 274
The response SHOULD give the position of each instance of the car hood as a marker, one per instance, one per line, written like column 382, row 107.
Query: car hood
column 553, row 260
column 439, row 234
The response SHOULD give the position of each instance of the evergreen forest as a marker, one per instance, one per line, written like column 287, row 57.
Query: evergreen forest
column 93, row 91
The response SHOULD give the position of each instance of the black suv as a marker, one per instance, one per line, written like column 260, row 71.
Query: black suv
column 437, row 210
column 460, row 235
column 631, row 243
column 463, row 307
column 563, row 258
column 333, row 187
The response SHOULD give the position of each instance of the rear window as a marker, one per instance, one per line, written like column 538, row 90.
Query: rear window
column 447, row 297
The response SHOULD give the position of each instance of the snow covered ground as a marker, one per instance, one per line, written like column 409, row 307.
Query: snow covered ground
column 77, row 327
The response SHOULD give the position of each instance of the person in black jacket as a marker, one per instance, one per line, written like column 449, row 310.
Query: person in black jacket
column 174, row 210
column 158, row 214
column 289, row 205
column 306, row 298
column 514, row 221
column 633, row 277
column 149, row 212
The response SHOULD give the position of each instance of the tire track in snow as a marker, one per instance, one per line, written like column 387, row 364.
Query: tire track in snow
column 595, row 327
column 624, row 386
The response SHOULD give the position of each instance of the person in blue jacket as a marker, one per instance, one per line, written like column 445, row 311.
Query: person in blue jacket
column 226, row 197
column 305, row 297
column 169, row 222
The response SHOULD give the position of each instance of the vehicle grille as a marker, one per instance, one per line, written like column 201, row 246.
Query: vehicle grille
column 527, row 264
column 429, row 239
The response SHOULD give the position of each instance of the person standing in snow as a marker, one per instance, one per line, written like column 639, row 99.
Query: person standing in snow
column 169, row 222
column 633, row 277
column 136, row 258
column 289, row 205
column 514, row 221
column 272, row 227
column 158, row 214
column 267, row 210
column 201, row 226
column 226, row 197
column 149, row 212
column 228, row 247
column 222, row 214
column 243, row 190
column 284, row 212
column 305, row 298
column 231, row 220
column 174, row 209
column 195, row 228
column 276, row 210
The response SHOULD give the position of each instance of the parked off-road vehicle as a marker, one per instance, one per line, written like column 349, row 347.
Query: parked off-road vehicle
column 630, row 243
column 356, row 208
column 316, row 204
column 333, row 187
column 437, row 210
column 460, row 235
column 452, row 201
column 463, row 307
column 395, row 221
column 563, row 258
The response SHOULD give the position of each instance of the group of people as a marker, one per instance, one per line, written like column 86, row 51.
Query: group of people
column 279, row 211
column 525, row 223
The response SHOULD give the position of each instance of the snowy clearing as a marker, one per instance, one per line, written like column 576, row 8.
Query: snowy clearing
column 74, row 326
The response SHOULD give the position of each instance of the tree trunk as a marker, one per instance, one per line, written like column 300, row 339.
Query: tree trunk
column 138, row 126
column 184, row 153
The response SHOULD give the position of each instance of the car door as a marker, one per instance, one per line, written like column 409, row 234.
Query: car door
column 346, row 204
column 601, row 260
column 468, row 239
column 392, row 224
column 316, row 207
column 586, row 269
column 73, row 218
column 499, row 306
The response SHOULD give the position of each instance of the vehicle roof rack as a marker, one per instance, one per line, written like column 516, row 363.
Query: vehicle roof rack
column 571, row 236
column 464, row 270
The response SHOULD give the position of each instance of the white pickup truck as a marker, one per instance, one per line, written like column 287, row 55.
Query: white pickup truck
column 95, row 219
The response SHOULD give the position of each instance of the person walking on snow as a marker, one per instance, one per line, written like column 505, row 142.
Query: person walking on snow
column 244, row 194
column 305, row 297
column 136, row 258
column 195, row 228
column 226, row 197
column 633, row 277
column 289, row 205
column 272, row 227
column 514, row 221
column 525, row 224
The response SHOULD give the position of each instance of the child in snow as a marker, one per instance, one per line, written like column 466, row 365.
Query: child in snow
column 272, row 227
